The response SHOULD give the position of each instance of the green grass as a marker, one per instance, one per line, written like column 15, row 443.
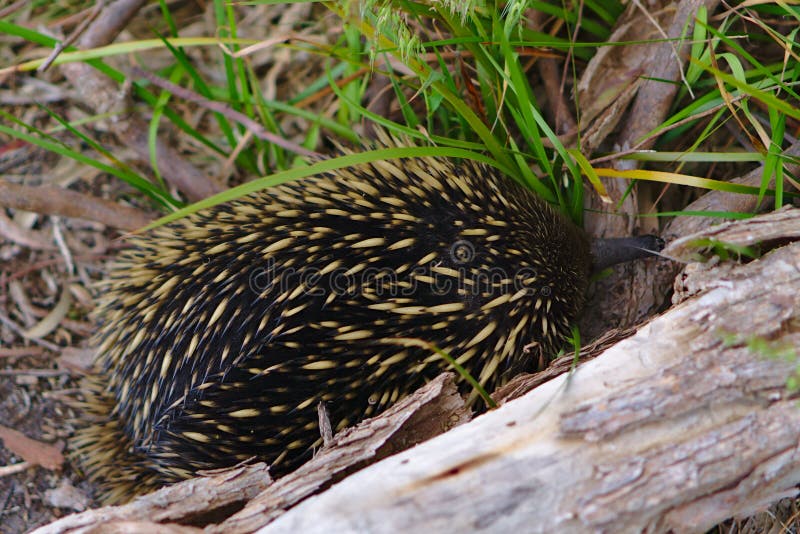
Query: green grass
column 466, row 85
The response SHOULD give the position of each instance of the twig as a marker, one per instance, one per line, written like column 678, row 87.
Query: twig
column 71, row 39
column 20, row 352
column 667, row 40
column 32, row 267
column 41, row 373
column 564, row 121
column 58, row 235
column 52, row 200
column 111, row 21
column 16, row 328
column 13, row 469
column 637, row 147
column 6, row 11
column 104, row 97
column 29, row 238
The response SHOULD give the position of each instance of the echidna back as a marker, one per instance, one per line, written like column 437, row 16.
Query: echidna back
column 222, row 332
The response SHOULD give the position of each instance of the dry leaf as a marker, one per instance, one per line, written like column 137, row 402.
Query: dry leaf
column 30, row 450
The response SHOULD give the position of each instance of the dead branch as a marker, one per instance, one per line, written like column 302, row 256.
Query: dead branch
column 721, row 201
column 52, row 200
column 184, row 503
column 781, row 225
column 226, row 111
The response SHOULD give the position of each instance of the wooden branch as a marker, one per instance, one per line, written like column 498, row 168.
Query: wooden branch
column 763, row 230
column 430, row 411
column 638, row 75
column 663, row 60
column 183, row 503
column 721, row 201
column 53, row 200
column 111, row 21
column 226, row 111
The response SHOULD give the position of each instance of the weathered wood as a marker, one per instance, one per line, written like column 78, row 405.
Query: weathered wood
column 186, row 503
column 778, row 226
column 629, row 83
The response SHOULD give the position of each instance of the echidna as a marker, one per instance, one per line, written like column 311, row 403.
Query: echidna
column 221, row 332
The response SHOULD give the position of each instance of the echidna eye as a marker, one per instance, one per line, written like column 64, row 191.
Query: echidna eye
column 462, row 251
column 372, row 400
